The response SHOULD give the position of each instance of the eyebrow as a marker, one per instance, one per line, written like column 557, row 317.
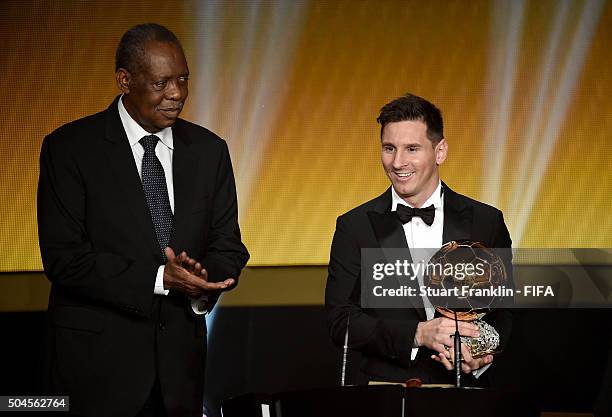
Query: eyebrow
column 166, row 77
column 407, row 145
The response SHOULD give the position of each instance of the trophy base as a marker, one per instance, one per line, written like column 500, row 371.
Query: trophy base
column 486, row 344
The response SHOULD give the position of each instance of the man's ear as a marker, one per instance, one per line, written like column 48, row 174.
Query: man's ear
column 124, row 80
column 441, row 151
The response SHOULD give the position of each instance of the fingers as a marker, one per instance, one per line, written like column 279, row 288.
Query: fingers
column 192, row 266
column 470, row 364
column 468, row 329
column 466, row 354
column 442, row 339
column 195, row 287
column 180, row 260
column 169, row 253
column 188, row 276
column 190, row 263
column 440, row 357
column 451, row 354
column 448, row 326
column 199, row 287
column 439, row 347
column 480, row 362
column 445, row 331
column 440, row 331
column 202, row 284
column 204, row 274
column 222, row 284
column 466, row 367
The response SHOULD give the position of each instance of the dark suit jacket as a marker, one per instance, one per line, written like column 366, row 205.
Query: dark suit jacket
column 108, row 335
column 385, row 336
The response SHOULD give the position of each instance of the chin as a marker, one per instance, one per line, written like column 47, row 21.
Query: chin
column 403, row 192
column 166, row 123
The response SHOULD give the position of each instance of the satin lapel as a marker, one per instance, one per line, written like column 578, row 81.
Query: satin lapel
column 390, row 234
column 184, row 169
column 388, row 230
column 121, row 161
column 457, row 217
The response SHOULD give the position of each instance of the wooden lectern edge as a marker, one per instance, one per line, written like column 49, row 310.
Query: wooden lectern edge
column 404, row 384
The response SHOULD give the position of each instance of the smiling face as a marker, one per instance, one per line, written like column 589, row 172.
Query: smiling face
column 155, row 95
column 411, row 161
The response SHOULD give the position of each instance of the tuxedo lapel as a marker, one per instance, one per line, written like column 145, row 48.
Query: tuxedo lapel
column 387, row 227
column 184, row 169
column 457, row 217
column 121, row 161
column 390, row 233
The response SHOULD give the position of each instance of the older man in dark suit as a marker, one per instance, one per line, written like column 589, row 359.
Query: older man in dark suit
column 138, row 230
column 398, row 344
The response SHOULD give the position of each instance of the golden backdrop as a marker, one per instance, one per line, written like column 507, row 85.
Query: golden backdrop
column 295, row 88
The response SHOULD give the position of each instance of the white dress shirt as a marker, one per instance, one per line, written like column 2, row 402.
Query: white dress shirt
column 421, row 236
column 163, row 151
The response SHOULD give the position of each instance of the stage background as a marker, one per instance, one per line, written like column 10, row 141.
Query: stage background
column 295, row 87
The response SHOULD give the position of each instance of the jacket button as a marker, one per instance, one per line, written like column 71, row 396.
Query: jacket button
column 162, row 325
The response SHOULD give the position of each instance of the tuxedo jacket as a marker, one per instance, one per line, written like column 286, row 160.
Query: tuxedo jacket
column 385, row 336
column 108, row 336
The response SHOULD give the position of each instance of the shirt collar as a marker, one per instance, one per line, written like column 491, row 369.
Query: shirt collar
column 135, row 132
column 435, row 198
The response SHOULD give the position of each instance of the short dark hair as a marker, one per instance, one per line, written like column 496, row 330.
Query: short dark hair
column 131, row 49
column 411, row 107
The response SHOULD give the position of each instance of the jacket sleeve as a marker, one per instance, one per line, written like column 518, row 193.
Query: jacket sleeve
column 501, row 319
column 70, row 259
column 226, row 255
column 369, row 333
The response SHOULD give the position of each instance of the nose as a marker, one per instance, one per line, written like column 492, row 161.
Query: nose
column 174, row 91
column 399, row 160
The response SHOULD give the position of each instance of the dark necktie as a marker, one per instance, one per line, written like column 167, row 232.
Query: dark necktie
column 156, row 192
column 426, row 214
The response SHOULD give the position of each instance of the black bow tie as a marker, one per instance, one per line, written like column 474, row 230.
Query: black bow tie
column 406, row 214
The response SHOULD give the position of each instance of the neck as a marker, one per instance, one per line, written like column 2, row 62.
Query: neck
column 134, row 115
column 417, row 201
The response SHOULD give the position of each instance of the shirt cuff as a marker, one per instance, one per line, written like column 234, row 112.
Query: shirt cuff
column 200, row 305
column 159, row 282
column 480, row 371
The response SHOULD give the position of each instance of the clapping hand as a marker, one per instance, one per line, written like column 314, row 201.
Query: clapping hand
column 184, row 274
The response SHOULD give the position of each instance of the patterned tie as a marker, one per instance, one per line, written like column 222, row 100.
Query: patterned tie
column 156, row 192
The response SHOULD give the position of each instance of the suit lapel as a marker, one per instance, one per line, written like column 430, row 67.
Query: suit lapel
column 390, row 233
column 184, row 168
column 457, row 217
column 121, row 161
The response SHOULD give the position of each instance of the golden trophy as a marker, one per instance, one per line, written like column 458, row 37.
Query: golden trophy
column 472, row 289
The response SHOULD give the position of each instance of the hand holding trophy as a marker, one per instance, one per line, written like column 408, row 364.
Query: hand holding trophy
column 475, row 276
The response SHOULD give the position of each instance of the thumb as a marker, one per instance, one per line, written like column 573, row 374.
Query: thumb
column 169, row 253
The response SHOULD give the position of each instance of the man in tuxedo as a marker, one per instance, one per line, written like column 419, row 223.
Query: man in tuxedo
column 138, row 226
column 402, row 343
